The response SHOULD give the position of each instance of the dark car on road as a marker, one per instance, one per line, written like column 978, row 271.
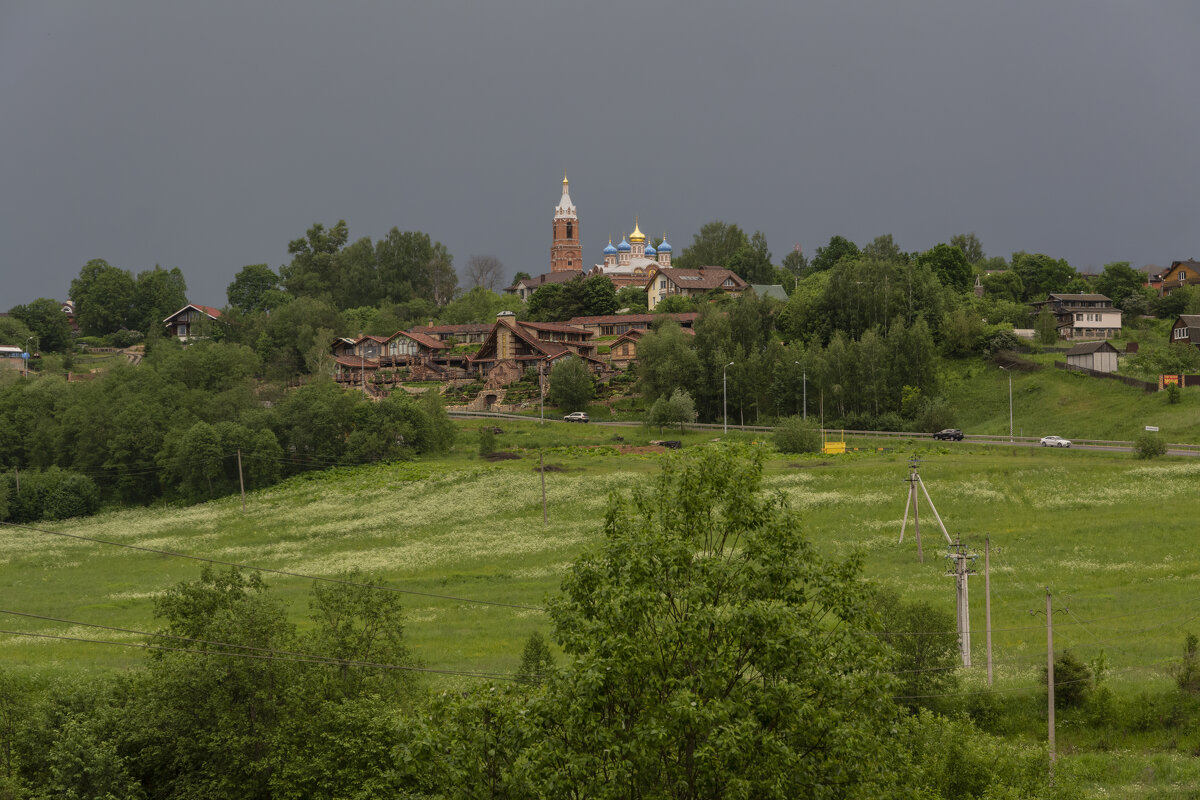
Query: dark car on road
column 949, row 434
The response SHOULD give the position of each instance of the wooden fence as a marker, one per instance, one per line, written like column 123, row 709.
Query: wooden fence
column 1145, row 386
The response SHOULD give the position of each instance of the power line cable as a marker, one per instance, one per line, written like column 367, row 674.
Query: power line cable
column 269, row 570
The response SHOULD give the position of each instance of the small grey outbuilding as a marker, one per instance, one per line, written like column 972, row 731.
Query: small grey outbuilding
column 1098, row 356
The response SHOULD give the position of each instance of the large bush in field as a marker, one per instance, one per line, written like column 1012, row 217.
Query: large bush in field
column 47, row 495
column 795, row 435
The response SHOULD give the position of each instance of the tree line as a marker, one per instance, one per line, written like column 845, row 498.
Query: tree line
column 172, row 427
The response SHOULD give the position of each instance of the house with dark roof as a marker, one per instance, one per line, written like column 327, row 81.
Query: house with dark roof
column 1180, row 274
column 669, row 281
column 188, row 322
column 527, row 286
column 1082, row 316
column 1186, row 329
column 1096, row 356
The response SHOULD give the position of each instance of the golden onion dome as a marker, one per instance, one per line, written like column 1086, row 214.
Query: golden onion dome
column 637, row 235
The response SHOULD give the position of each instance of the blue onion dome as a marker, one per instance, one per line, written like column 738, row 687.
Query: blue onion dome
column 610, row 250
column 663, row 246
column 624, row 246
column 650, row 250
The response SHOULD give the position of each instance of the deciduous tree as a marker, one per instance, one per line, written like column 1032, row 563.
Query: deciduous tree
column 713, row 653
column 714, row 246
column 572, row 386
column 250, row 288
column 46, row 321
column 485, row 271
column 103, row 296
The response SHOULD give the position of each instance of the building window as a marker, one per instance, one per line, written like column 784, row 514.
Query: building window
column 570, row 229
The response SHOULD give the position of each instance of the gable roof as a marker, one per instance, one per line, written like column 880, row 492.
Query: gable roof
column 699, row 279
column 1091, row 347
column 1190, row 320
column 213, row 313
column 1082, row 297
column 422, row 339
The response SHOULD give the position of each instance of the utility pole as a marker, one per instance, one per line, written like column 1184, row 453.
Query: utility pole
column 914, row 480
column 804, row 377
column 987, row 601
column 241, row 482
column 542, row 397
column 725, row 397
column 542, row 470
column 1050, row 678
column 961, row 569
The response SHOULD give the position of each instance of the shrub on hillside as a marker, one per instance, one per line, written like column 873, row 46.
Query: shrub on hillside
column 1072, row 681
column 1187, row 672
column 794, row 435
column 1149, row 445
column 47, row 495
column 487, row 441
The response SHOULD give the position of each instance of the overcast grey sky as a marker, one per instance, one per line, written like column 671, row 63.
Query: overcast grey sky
column 206, row 135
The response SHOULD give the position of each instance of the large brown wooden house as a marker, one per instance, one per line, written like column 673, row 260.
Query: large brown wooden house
column 513, row 345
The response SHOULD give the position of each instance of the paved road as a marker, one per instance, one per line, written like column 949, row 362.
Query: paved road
column 1018, row 441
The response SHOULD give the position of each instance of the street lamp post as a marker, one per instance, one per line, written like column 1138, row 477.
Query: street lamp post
column 1010, row 410
column 725, row 397
column 804, row 378
column 28, row 353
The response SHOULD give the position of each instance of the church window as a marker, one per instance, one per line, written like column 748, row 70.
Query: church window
column 570, row 230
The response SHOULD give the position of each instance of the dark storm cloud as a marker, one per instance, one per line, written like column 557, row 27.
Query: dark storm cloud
column 207, row 135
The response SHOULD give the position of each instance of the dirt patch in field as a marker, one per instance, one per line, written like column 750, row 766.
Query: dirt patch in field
column 550, row 468
column 500, row 456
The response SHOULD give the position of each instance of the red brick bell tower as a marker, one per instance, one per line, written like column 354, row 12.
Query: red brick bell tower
column 566, row 254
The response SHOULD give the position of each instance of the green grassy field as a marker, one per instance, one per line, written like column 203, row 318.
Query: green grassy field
column 1111, row 536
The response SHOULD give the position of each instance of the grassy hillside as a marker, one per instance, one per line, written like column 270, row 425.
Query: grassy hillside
column 1110, row 535
column 1106, row 532
column 1065, row 403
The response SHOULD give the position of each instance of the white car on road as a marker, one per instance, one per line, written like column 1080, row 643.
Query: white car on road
column 1055, row 441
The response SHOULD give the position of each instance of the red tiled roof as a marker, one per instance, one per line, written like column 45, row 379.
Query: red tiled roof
column 348, row 361
column 215, row 313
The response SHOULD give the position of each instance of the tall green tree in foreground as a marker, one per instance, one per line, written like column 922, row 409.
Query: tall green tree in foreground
column 713, row 653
